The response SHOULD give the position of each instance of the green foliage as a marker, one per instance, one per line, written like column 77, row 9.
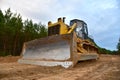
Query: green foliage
column 118, row 47
column 106, row 51
column 14, row 32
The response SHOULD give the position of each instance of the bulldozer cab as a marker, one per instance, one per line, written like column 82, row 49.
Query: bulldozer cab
column 81, row 29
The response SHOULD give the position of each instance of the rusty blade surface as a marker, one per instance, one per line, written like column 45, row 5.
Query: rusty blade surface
column 55, row 47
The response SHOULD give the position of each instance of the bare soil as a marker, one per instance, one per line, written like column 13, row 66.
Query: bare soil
column 106, row 68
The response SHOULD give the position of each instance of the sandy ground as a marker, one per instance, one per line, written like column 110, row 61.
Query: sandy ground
column 106, row 68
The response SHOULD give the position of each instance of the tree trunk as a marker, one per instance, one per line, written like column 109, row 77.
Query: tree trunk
column 15, row 44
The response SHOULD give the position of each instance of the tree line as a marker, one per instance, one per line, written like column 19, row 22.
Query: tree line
column 106, row 51
column 14, row 32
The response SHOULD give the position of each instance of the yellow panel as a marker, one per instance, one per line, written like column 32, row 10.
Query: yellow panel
column 63, row 27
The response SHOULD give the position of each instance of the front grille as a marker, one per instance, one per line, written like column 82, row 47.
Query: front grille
column 53, row 30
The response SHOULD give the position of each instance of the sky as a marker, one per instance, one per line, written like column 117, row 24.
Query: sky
column 101, row 16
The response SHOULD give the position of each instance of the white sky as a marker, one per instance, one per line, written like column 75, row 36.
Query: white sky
column 102, row 16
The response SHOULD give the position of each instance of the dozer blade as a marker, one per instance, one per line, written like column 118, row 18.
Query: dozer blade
column 50, row 51
column 54, row 51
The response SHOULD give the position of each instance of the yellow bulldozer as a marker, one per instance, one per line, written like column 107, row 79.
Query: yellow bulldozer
column 64, row 46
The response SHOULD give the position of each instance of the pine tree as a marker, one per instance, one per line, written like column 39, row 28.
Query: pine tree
column 14, row 32
column 118, row 46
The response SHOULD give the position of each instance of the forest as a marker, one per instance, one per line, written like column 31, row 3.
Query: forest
column 14, row 32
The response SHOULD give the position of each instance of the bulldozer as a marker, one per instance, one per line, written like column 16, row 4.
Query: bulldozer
column 64, row 46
